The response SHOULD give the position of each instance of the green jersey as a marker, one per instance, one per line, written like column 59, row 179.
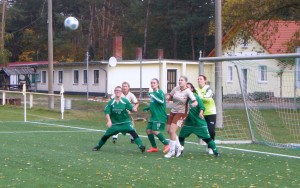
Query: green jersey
column 118, row 111
column 157, row 106
column 193, row 118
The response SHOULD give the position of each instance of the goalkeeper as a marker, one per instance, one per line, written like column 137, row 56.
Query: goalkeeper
column 118, row 119
column 195, row 123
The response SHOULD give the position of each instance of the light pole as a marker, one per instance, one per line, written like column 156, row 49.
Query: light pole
column 140, row 58
column 87, row 75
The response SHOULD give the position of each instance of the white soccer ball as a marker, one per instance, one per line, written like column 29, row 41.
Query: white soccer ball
column 71, row 23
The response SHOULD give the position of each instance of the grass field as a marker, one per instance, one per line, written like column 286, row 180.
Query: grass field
column 57, row 153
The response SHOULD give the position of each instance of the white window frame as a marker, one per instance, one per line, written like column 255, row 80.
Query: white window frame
column 60, row 77
column 96, row 76
column 75, row 76
column 84, row 77
column 44, row 77
column 230, row 74
column 262, row 74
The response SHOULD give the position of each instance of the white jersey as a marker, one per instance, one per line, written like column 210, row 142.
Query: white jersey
column 131, row 97
column 180, row 98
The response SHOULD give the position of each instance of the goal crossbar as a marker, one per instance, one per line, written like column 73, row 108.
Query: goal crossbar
column 267, row 56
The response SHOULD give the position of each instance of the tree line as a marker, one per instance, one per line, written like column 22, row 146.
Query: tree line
column 180, row 28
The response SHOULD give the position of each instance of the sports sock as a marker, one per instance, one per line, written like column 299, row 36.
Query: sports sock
column 115, row 136
column 181, row 140
column 161, row 137
column 100, row 144
column 138, row 142
column 172, row 145
column 177, row 142
column 152, row 140
column 211, row 144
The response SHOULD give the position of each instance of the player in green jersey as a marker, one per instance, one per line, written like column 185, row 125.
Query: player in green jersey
column 118, row 119
column 158, row 117
column 196, row 124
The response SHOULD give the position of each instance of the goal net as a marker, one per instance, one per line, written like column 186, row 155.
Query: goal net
column 261, row 102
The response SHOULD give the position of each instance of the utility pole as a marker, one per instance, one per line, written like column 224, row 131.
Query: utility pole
column 3, row 29
column 50, row 56
column 218, row 64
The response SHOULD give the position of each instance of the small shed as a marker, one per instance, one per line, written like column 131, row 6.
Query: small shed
column 14, row 77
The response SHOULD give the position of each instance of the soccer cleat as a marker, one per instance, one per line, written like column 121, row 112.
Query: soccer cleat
column 96, row 148
column 170, row 154
column 166, row 148
column 210, row 151
column 142, row 148
column 179, row 151
column 152, row 150
column 114, row 140
column 217, row 154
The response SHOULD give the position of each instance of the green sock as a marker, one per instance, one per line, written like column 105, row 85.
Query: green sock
column 161, row 137
column 100, row 144
column 211, row 144
column 152, row 140
column 138, row 142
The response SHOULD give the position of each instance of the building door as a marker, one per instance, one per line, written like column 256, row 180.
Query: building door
column 171, row 77
column 244, row 80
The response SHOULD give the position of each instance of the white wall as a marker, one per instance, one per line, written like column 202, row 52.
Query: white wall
column 124, row 71
column 253, row 84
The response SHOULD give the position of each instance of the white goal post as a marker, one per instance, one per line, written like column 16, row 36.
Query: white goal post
column 31, row 101
column 268, row 95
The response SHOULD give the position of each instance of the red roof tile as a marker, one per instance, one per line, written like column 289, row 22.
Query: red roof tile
column 17, row 64
column 274, row 35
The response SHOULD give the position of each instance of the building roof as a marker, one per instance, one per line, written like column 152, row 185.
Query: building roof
column 18, row 70
column 32, row 63
column 273, row 35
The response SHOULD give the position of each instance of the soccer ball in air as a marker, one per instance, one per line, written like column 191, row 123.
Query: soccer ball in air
column 71, row 23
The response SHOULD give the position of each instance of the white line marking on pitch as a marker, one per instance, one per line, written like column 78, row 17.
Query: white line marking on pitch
column 225, row 147
column 23, row 132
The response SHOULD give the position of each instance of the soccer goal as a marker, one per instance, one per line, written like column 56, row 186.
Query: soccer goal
column 33, row 106
column 261, row 100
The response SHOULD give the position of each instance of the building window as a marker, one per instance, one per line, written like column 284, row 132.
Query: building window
column 84, row 76
column 244, row 43
column 229, row 74
column 298, row 68
column 44, row 77
column 76, row 76
column 96, row 76
column 262, row 73
column 60, row 77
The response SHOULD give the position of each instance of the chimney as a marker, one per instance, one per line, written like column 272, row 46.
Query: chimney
column 117, row 47
column 160, row 53
column 138, row 53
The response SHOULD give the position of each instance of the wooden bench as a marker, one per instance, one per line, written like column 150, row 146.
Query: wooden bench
column 136, row 92
column 12, row 101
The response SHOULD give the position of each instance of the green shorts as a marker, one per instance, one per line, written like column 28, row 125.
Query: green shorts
column 120, row 128
column 156, row 126
column 200, row 132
